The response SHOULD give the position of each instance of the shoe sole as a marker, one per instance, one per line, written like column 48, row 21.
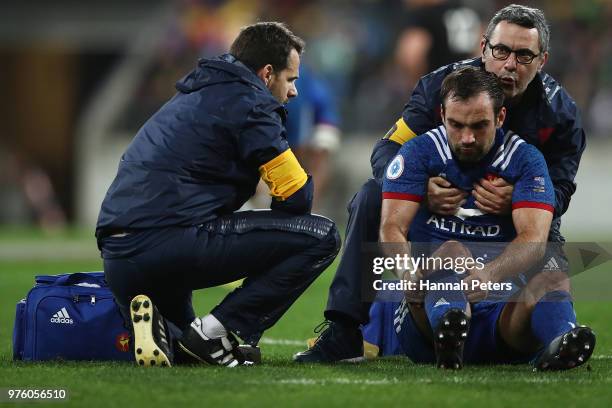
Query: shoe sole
column 146, row 351
column 373, row 351
column 234, row 363
column 353, row 360
column 251, row 354
column 186, row 350
column 449, row 339
column 188, row 343
column 573, row 349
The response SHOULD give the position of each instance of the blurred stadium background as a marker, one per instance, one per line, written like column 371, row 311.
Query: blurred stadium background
column 79, row 78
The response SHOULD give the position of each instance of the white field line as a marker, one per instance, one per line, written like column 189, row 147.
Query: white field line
column 282, row 342
column 328, row 381
column 49, row 251
column 535, row 379
column 292, row 342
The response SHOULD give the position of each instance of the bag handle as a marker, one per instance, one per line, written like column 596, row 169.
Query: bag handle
column 69, row 279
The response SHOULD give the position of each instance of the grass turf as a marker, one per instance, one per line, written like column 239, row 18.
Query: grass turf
column 386, row 382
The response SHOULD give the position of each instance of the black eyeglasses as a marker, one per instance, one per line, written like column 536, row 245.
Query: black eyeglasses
column 502, row 52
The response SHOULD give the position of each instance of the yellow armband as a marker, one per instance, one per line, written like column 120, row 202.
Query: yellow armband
column 400, row 132
column 283, row 175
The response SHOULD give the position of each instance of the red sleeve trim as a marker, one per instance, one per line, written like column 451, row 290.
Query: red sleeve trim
column 533, row 204
column 403, row 196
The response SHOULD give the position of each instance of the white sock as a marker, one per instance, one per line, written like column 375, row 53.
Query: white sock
column 212, row 328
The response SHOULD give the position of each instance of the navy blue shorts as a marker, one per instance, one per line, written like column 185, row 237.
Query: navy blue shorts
column 483, row 345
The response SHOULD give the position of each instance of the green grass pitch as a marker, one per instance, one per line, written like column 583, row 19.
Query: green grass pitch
column 279, row 382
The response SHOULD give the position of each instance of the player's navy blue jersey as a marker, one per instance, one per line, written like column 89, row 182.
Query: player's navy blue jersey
column 202, row 153
column 314, row 106
column 429, row 155
column 546, row 117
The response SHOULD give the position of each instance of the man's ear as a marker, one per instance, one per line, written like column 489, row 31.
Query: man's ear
column 501, row 117
column 265, row 73
column 543, row 61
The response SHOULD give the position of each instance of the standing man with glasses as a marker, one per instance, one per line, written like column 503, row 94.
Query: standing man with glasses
column 515, row 48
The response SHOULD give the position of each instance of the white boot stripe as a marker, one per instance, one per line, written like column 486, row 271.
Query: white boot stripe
column 227, row 358
column 226, row 343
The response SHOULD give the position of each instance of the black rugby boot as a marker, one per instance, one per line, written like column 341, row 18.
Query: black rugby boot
column 151, row 344
column 449, row 339
column 216, row 351
column 569, row 350
column 336, row 343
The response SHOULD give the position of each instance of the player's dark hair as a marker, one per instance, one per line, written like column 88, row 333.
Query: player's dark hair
column 523, row 16
column 265, row 43
column 467, row 82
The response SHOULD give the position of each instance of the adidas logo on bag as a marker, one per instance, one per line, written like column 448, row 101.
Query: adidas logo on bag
column 62, row 316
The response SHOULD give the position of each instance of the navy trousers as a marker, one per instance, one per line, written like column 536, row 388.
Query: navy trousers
column 350, row 291
column 279, row 254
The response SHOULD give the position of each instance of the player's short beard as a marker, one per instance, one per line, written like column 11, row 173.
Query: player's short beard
column 480, row 151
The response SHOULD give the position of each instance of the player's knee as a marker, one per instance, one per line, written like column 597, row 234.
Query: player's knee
column 546, row 282
column 452, row 249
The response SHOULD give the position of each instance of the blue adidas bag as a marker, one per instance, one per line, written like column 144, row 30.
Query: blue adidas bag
column 70, row 317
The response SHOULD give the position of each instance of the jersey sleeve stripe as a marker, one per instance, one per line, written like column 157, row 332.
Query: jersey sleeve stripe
column 533, row 204
column 438, row 147
column 443, row 140
column 499, row 154
column 403, row 196
column 505, row 148
column 518, row 142
column 513, row 140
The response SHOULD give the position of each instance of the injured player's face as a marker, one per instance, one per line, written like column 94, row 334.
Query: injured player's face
column 470, row 126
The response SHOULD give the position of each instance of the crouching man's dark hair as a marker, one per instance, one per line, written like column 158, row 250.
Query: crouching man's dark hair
column 468, row 82
column 265, row 43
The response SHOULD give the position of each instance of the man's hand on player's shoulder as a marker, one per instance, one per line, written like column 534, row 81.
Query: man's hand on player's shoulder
column 442, row 197
column 494, row 196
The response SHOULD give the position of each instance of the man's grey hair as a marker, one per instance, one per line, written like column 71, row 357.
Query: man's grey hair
column 523, row 16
